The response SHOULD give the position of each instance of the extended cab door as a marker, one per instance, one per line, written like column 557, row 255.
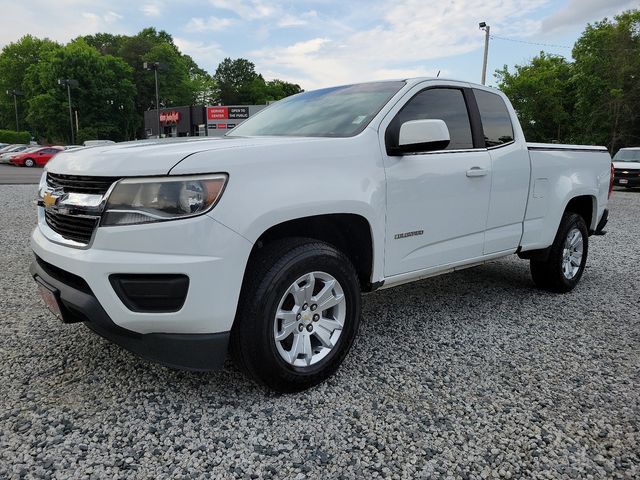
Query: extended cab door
column 437, row 201
column 510, row 172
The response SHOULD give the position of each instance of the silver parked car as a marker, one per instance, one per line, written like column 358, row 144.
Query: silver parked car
column 8, row 152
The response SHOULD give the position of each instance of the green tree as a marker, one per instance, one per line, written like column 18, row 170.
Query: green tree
column 104, row 98
column 174, row 84
column 236, row 81
column 542, row 94
column 278, row 89
column 239, row 84
column 607, row 80
column 594, row 99
column 16, row 58
column 182, row 83
column 105, row 43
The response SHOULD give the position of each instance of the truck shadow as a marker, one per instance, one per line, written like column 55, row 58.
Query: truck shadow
column 460, row 295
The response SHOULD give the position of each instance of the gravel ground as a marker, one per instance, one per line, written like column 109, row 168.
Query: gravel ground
column 470, row 375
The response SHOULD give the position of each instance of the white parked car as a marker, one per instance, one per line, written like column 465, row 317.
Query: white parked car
column 96, row 143
column 627, row 167
column 263, row 240
column 7, row 153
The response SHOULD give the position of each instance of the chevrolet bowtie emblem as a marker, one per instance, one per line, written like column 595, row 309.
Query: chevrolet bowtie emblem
column 50, row 198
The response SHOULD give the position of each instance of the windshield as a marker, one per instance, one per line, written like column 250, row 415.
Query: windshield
column 627, row 156
column 15, row 148
column 31, row 149
column 331, row 112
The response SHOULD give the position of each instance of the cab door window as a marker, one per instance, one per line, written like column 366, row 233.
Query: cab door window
column 447, row 104
column 496, row 121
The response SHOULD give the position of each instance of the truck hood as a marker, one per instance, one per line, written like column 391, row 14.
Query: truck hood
column 152, row 157
column 627, row 165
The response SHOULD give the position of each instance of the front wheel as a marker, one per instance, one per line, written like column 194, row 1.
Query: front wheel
column 564, row 266
column 298, row 314
column 29, row 162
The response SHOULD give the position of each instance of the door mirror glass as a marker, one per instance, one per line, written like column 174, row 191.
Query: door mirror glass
column 423, row 136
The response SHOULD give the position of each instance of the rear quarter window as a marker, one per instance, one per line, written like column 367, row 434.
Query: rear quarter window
column 496, row 121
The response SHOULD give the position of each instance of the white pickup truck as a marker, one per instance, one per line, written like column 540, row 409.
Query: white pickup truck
column 263, row 240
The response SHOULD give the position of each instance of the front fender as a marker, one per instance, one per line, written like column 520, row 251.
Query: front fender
column 278, row 183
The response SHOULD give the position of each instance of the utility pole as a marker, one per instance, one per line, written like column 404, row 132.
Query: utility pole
column 156, row 66
column 69, row 83
column 15, row 94
column 487, row 30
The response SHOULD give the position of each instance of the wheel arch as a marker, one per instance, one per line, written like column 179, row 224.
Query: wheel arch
column 348, row 232
column 587, row 207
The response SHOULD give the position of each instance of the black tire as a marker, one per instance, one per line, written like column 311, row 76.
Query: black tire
column 29, row 162
column 272, row 270
column 548, row 274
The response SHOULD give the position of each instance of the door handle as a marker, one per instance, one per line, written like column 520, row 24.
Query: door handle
column 477, row 172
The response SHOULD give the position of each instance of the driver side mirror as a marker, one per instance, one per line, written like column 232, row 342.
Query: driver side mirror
column 423, row 136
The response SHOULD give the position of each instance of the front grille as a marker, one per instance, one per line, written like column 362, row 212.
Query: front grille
column 76, row 227
column 81, row 183
column 72, row 227
column 624, row 173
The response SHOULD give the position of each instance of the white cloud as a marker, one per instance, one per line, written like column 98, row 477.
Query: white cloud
column 289, row 20
column 406, row 38
column 65, row 19
column 111, row 17
column 247, row 9
column 579, row 12
column 152, row 9
column 211, row 24
column 206, row 55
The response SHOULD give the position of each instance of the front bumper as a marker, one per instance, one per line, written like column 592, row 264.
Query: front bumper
column 198, row 351
column 212, row 256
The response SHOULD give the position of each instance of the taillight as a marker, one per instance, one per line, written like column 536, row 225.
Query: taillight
column 611, row 181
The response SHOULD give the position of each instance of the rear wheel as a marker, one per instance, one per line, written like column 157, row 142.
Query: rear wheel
column 298, row 314
column 564, row 266
column 29, row 162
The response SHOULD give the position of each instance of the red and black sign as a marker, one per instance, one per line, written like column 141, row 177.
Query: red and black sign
column 238, row 113
column 169, row 117
column 227, row 113
column 217, row 113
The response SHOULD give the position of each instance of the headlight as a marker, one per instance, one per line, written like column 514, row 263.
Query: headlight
column 144, row 200
column 43, row 184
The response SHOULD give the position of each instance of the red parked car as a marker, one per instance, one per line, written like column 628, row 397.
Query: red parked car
column 35, row 156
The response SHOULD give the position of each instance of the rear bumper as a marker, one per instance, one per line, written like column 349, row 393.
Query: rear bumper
column 188, row 351
column 626, row 181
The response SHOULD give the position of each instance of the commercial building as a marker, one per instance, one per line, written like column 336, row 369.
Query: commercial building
column 197, row 120
column 175, row 122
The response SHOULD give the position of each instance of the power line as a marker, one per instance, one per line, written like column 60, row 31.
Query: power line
column 497, row 37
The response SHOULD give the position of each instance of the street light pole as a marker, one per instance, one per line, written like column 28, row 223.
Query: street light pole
column 487, row 30
column 156, row 66
column 69, row 82
column 155, row 73
column 15, row 94
column 73, row 140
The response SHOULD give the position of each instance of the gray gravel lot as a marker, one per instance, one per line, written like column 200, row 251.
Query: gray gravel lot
column 469, row 375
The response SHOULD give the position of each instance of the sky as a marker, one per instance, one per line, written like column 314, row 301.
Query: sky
column 318, row 43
